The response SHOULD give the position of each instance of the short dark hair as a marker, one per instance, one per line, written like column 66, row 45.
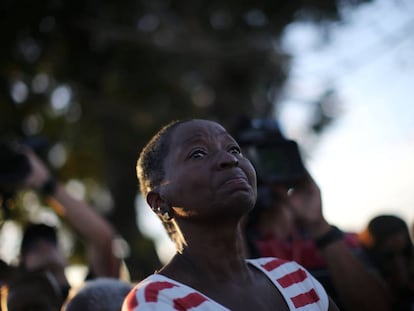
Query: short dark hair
column 150, row 165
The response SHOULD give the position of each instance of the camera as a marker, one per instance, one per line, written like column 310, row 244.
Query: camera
column 15, row 167
column 275, row 158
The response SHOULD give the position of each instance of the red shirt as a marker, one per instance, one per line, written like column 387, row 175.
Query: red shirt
column 298, row 248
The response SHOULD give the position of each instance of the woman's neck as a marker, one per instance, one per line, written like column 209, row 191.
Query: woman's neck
column 215, row 255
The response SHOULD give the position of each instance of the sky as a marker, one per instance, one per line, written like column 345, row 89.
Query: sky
column 364, row 163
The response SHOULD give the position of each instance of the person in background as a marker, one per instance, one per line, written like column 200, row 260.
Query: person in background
column 293, row 227
column 288, row 222
column 388, row 247
column 32, row 291
column 100, row 294
column 40, row 250
column 97, row 233
column 196, row 179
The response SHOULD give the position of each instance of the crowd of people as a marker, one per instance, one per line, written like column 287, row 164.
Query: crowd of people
column 242, row 242
column 39, row 280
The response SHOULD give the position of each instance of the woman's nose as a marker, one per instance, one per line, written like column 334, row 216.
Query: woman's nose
column 226, row 160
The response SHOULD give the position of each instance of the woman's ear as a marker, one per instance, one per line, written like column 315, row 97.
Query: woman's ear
column 154, row 201
column 159, row 206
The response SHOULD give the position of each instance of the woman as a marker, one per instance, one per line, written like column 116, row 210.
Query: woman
column 195, row 178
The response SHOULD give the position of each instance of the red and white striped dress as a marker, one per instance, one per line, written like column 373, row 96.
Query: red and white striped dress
column 158, row 293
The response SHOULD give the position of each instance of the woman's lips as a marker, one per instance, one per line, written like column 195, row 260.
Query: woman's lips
column 236, row 180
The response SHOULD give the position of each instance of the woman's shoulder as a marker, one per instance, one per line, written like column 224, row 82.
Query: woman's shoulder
column 152, row 285
column 272, row 263
column 295, row 283
column 159, row 292
column 280, row 269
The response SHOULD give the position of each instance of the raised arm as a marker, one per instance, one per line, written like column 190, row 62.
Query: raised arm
column 357, row 286
column 96, row 232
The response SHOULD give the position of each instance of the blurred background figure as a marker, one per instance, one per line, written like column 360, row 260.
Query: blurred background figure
column 101, row 294
column 32, row 291
column 288, row 220
column 40, row 251
column 40, row 248
column 387, row 244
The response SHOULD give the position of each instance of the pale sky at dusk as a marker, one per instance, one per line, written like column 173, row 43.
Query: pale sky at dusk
column 364, row 163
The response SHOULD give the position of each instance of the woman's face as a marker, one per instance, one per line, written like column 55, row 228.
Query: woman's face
column 206, row 174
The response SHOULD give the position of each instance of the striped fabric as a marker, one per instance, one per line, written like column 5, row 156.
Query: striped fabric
column 159, row 293
column 299, row 288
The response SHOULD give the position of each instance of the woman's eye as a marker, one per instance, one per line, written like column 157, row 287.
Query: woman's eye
column 197, row 154
column 235, row 150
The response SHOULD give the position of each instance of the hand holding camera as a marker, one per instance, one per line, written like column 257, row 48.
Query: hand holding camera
column 304, row 199
column 283, row 180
